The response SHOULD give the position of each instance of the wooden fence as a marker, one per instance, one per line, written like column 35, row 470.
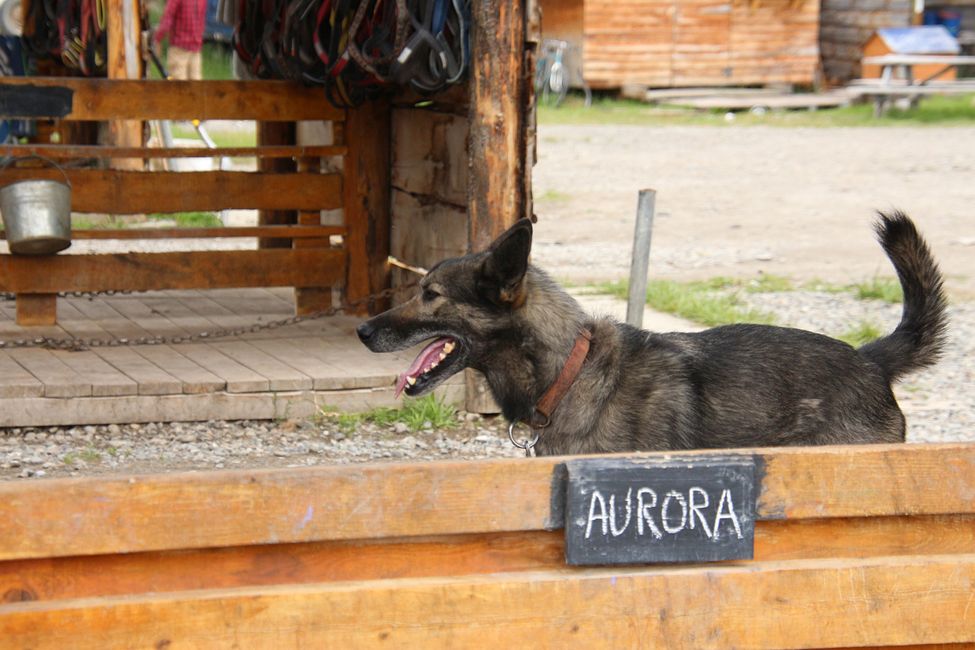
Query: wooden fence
column 869, row 546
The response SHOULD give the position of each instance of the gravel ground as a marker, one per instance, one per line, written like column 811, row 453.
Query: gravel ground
column 939, row 408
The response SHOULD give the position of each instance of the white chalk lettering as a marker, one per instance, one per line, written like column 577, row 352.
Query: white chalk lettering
column 612, row 514
column 695, row 508
column 603, row 517
column 643, row 512
column 726, row 504
column 673, row 495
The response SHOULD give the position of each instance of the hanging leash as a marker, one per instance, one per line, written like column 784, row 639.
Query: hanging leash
column 541, row 416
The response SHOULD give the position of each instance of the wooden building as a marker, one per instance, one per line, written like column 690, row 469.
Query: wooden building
column 688, row 42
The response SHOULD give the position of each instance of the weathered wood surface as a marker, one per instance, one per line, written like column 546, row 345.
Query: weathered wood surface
column 35, row 309
column 876, row 601
column 68, row 151
column 346, row 503
column 311, row 562
column 108, row 99
column 286, row 232
column 153, row 271
column 132, row 192
column 366, row 203
column 693, row 42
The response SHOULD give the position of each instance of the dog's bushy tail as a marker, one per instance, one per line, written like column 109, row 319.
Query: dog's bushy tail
column 919, row 338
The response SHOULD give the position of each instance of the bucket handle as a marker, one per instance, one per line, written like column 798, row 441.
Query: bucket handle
column 35, row 156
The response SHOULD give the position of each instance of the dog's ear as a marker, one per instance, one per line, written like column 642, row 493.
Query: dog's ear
column 502, row 274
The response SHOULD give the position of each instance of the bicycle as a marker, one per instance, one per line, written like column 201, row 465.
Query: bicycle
column 552, row 77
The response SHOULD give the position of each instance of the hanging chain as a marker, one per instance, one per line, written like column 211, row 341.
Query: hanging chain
column 75, row 344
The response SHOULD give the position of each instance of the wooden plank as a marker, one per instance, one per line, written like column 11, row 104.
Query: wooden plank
column 310, row 300
column 194, row 378
column 280, row 375
column 367, row 204
column 237, row 377
column 243, row 566
column 105, row 379
column 15, row 381
column 103, row 99
column 189, row 270
column 887, row 601
column 59, row 379
column 499, row 94
column 35, row 309
column 265, row 506
column 101, row 152
column 151, row 379
column 131, row 192
column 286, row 232
column 295, row 353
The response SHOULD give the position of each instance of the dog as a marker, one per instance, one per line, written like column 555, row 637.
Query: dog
column 741, row 385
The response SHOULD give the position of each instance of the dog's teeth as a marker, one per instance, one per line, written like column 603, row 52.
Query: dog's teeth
column 411, row 380
column 448, row 348
column 443, row 355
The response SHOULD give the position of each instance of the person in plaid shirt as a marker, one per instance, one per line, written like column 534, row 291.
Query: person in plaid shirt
column 183, row 22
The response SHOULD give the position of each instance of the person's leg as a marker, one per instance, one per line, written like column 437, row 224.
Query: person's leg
column 177, row 60
column 195, row 65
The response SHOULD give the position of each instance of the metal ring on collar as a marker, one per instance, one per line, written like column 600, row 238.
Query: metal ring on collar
column 529, row 443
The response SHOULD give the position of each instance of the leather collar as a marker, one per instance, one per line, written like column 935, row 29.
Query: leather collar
column 542, row 416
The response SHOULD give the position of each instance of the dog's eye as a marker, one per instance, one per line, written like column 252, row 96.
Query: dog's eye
column 429, row 294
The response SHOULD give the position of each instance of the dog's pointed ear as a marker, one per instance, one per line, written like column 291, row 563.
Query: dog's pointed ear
column 502, row 273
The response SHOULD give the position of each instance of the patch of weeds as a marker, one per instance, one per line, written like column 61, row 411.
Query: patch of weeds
column 861, row 334
column 886, row 289
column 822, row 286
column 553, row 196
column 190, row 219
column 415, row 413
column 89, row 455
column 768, row 283
column 706, row 302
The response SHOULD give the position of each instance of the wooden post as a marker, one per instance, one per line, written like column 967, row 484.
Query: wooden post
column 124, row 62
column 309, row 300
column 500, row 173
column 499, row 102
column 275, row 133
column 37, row 309
column 367, row 202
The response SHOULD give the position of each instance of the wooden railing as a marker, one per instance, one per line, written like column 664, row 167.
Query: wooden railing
column 313, row 264
column 870, row 546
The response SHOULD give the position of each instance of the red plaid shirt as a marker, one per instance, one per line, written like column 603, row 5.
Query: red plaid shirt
column 183, row 21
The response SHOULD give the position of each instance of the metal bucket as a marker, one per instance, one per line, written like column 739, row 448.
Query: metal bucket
column 37, row 214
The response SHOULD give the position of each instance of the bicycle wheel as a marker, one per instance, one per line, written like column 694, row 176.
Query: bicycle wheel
column 557, row 82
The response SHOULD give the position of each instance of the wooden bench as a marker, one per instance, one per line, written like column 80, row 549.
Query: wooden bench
column 889, row 86
column 870, row 546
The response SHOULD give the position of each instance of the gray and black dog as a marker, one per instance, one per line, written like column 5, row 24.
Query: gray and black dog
column 731, row 386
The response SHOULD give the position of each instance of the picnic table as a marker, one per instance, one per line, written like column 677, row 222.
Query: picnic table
column 898, row 78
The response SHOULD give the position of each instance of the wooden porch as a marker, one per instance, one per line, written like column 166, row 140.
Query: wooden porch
column 277, row 373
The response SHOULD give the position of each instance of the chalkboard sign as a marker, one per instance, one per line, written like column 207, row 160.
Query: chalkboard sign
column 638, row 511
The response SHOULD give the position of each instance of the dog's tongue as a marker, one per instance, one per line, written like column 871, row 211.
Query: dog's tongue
column 429, row 356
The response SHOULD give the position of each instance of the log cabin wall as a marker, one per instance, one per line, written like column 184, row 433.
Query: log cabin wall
column 690, row 42
column 846, row 27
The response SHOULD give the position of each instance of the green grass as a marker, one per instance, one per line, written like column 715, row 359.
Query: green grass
column 553, row 196
column 415, row 414
column 190, row 219
column 955, row 110
column 217, row 61
column 886, row 289
column 223, row 137
column 860, row 334
column 703, row 302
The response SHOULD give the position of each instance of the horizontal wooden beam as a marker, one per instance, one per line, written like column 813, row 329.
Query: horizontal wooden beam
column 131, row 99
column 415, row 499
column 803, row 604
column 157, row 271
column 131, row 192
column 283, row 232
column 311, row 562
column 77, row 151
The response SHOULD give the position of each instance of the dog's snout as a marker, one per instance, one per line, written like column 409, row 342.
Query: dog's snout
column 365, row 331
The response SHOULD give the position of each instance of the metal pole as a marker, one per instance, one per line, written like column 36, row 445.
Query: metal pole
column 640, row 262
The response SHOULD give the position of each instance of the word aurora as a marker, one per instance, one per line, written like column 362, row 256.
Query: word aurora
column 648, row 516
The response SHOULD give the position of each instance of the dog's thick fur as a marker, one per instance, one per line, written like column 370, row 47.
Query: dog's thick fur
column 731, row 386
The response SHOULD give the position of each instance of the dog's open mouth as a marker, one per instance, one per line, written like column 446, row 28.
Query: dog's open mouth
column 432, row 364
